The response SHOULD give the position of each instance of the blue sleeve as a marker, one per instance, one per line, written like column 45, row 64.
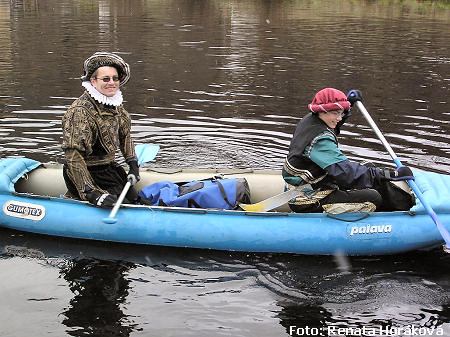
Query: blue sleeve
column 324, row 151
column 352, row 175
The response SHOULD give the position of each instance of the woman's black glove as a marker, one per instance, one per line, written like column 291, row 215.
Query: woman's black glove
column 354, row 96
column 133, row 174
column 98, row 199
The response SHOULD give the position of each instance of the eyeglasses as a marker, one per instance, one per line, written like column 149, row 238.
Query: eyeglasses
column 337, row 113
column 106, row 79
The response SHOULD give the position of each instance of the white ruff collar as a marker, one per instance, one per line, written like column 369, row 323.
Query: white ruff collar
column 115, row 100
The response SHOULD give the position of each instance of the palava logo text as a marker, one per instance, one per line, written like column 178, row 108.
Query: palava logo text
column 370, row 229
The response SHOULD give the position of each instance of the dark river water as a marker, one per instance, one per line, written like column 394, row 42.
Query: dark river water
column 223, row 84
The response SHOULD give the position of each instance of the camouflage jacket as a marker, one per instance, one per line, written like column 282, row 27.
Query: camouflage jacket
column 92, row 133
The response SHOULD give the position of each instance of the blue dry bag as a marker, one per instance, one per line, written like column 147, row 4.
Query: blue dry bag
column 209, row 193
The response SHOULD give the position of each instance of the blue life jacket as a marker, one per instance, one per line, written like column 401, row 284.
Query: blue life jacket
column 211, row 193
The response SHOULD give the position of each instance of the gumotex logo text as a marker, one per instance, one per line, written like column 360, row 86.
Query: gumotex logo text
column 370, row 229
column 24, row 210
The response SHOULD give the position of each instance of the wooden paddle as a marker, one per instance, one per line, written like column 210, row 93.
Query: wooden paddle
column 354, row 97
column 144, row 154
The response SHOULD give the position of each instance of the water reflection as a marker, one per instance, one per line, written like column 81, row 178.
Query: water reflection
column 378, row 295
column 100, row 291
column 306, row 319
column 122, row 290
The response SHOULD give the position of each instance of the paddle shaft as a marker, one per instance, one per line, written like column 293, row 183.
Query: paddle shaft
column 119, row 202
column 144, row 153
column 444, row 233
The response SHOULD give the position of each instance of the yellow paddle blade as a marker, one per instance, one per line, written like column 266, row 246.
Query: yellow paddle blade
column 252, row 207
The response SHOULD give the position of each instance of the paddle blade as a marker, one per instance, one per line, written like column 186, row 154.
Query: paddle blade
column 252, row 207
column 146, row 152
column 273, row 202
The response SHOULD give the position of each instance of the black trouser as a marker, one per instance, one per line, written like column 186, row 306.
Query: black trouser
column 111, row 177
column 339, row 196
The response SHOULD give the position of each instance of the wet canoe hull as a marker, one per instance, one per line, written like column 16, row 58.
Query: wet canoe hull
column 317, row 234
column 276, row 232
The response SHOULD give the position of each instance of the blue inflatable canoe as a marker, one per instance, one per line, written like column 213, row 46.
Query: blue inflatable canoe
column 31, row 201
